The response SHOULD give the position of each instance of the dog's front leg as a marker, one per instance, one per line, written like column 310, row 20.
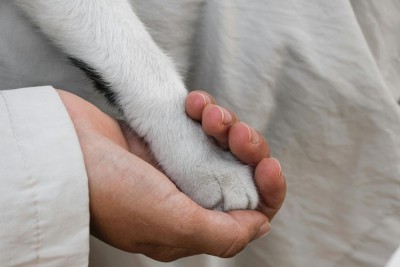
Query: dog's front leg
column 107, row 40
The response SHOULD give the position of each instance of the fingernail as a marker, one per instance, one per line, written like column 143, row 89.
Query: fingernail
column 226, row 116
column 279, row 165
column 206, row 99
column 264, row 230
column 254, row 136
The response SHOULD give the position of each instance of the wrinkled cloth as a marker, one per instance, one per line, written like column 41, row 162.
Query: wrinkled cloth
column 395, row 259
column 319, row 79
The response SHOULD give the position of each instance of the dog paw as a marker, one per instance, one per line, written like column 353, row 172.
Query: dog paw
column 212, row 177
column 209, row 175
column 221, row 183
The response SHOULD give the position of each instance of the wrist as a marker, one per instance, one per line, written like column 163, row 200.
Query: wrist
column 87, row 117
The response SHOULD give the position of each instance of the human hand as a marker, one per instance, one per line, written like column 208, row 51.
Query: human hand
column 136, row 208
column 245, row 143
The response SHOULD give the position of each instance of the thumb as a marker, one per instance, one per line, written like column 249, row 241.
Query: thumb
column 226, row 234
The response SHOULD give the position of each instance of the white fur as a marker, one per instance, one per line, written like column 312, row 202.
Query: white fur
column 109, row 37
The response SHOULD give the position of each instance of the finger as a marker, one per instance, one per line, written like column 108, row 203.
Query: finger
column 271, row 185
column 247, row 144
column 216, row 122
column 226, row 234
column 195, row 103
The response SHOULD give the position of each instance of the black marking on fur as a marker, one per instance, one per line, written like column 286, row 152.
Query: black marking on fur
column 98, row 81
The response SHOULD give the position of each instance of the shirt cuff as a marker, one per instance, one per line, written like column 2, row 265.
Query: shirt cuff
column 44, row 203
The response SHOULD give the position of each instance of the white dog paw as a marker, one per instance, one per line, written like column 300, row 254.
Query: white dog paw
column 215, row 179
column 210, row 176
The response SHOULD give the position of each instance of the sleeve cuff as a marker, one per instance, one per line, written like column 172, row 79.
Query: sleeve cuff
column 44, row 203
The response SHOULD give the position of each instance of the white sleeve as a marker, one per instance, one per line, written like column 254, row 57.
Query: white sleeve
column 44, row 211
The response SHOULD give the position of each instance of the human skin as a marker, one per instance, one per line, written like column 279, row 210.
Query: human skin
column 136, row 208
